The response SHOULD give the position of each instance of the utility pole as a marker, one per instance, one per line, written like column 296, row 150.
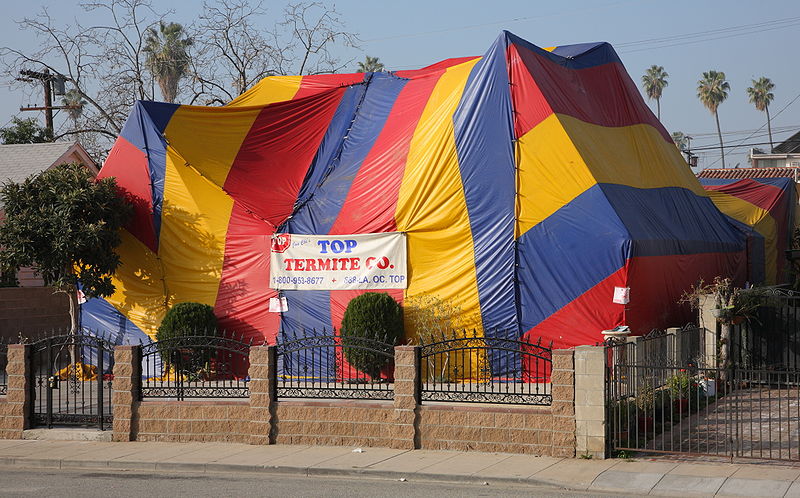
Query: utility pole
column 50, row 82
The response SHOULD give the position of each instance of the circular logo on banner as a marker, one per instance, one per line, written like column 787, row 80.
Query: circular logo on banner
column 281, row 242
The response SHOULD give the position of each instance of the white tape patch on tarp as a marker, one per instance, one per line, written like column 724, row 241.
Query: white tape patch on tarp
column 338, row 262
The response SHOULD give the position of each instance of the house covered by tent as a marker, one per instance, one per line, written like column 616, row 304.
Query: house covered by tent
column 530, row 183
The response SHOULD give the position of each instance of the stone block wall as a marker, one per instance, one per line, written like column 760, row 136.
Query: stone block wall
column 216, row 421
column 402, row 423
column 537, row 430
column 336, row 423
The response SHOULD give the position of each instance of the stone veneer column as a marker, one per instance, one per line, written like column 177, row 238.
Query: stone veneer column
column 405, row 433
column 263, row 382
column 125, row 396
column 590, row 401
column 562, row 381
column 19, row 393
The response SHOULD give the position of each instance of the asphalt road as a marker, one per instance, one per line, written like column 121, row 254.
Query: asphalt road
column 91, row 484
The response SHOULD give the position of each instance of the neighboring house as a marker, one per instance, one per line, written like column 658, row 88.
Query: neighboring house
column 792, row 172
column 20, row 161
column 784, row 155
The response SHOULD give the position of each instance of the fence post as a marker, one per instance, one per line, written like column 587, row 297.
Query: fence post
column 263, row 394
column 590, row 401
column 406, row 397
column 675, row 338
column 562, row 380
column 708, row 322
column 126, row 392
column 18, row 398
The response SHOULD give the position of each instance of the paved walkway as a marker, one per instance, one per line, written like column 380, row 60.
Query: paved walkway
column 640, row 477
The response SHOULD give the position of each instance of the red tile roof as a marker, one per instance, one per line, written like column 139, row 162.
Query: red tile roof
column 738, row 173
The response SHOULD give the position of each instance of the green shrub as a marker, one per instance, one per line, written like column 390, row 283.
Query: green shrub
column 375, row 316
column 183, row 320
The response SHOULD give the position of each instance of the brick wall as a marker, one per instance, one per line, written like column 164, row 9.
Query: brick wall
column 541, row 430
column 263, row 419
column 31, row 311
column 335, row 423
column 217, row 421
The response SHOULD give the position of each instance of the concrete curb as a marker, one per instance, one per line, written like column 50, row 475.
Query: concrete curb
column 647, row 478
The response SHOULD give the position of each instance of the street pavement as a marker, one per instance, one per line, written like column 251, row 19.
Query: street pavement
column 639, row 477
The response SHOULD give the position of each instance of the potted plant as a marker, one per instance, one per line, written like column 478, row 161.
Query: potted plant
column 644, row 408
column 680, row 386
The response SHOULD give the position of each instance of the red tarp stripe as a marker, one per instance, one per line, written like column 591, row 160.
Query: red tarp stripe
column 129, row 166
column 372, row 199
column 658, row 279
column 434, row 68
column 244, row 291
column 276, row 154
column 313, row 84
column 530, row 106
column 603, row 95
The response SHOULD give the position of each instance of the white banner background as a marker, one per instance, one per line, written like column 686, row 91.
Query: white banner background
column 336, row 262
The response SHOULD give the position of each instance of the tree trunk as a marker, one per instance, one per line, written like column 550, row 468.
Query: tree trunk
column 724, row 350
column 769, row 128
column 74, row 312
column 719, row 132
column 658, row 106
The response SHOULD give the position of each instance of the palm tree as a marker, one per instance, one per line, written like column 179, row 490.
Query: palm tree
column 761, row 96
column 654, row 81
column 370, row 65
column 167, row 57
column 74, row 102
column 681, row 140
column 712, row 90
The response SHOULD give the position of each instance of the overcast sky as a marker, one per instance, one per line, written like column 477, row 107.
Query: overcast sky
column 745, row 39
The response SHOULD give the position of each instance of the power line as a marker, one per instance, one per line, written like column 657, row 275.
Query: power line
column 762, row 126
column 641, row 45
column 494, row 23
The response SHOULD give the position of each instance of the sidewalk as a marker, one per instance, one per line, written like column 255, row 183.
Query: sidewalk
column 635, row 477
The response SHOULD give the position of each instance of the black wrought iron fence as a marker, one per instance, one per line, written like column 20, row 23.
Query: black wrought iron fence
column 205, row 365
column 469, row 367
column 3, row 372
column 321, row 364
column 770, row 338
column 692, row 407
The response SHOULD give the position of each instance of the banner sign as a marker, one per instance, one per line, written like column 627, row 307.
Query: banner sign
column 336, row 262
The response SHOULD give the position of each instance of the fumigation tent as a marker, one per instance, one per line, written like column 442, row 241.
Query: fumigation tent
column 530, row 183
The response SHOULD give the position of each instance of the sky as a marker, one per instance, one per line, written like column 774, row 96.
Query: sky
column 744, row 39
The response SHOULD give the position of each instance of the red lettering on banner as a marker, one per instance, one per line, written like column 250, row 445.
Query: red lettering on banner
column 370, row 263
column 298, row 264
column 355, row 264
column 343, row 263
column 324, row 264
column 311, row 265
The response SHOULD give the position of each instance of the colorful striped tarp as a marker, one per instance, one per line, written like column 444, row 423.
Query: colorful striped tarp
column 530, row 182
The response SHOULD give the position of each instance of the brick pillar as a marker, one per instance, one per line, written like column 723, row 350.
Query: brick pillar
column 19, row 393
column 263, row 382
column 590, row 401
column 562, row 381
column 126, row 387
column 405, row 434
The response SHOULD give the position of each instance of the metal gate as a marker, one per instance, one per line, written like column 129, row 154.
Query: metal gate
column 686, row 404
column 71, row 381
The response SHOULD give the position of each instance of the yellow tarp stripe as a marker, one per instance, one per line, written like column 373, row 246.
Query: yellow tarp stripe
column 432, row 208
column 562, row 157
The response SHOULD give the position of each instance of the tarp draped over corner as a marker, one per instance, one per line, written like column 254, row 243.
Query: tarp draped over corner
column 530, row 182
column 767, row 206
